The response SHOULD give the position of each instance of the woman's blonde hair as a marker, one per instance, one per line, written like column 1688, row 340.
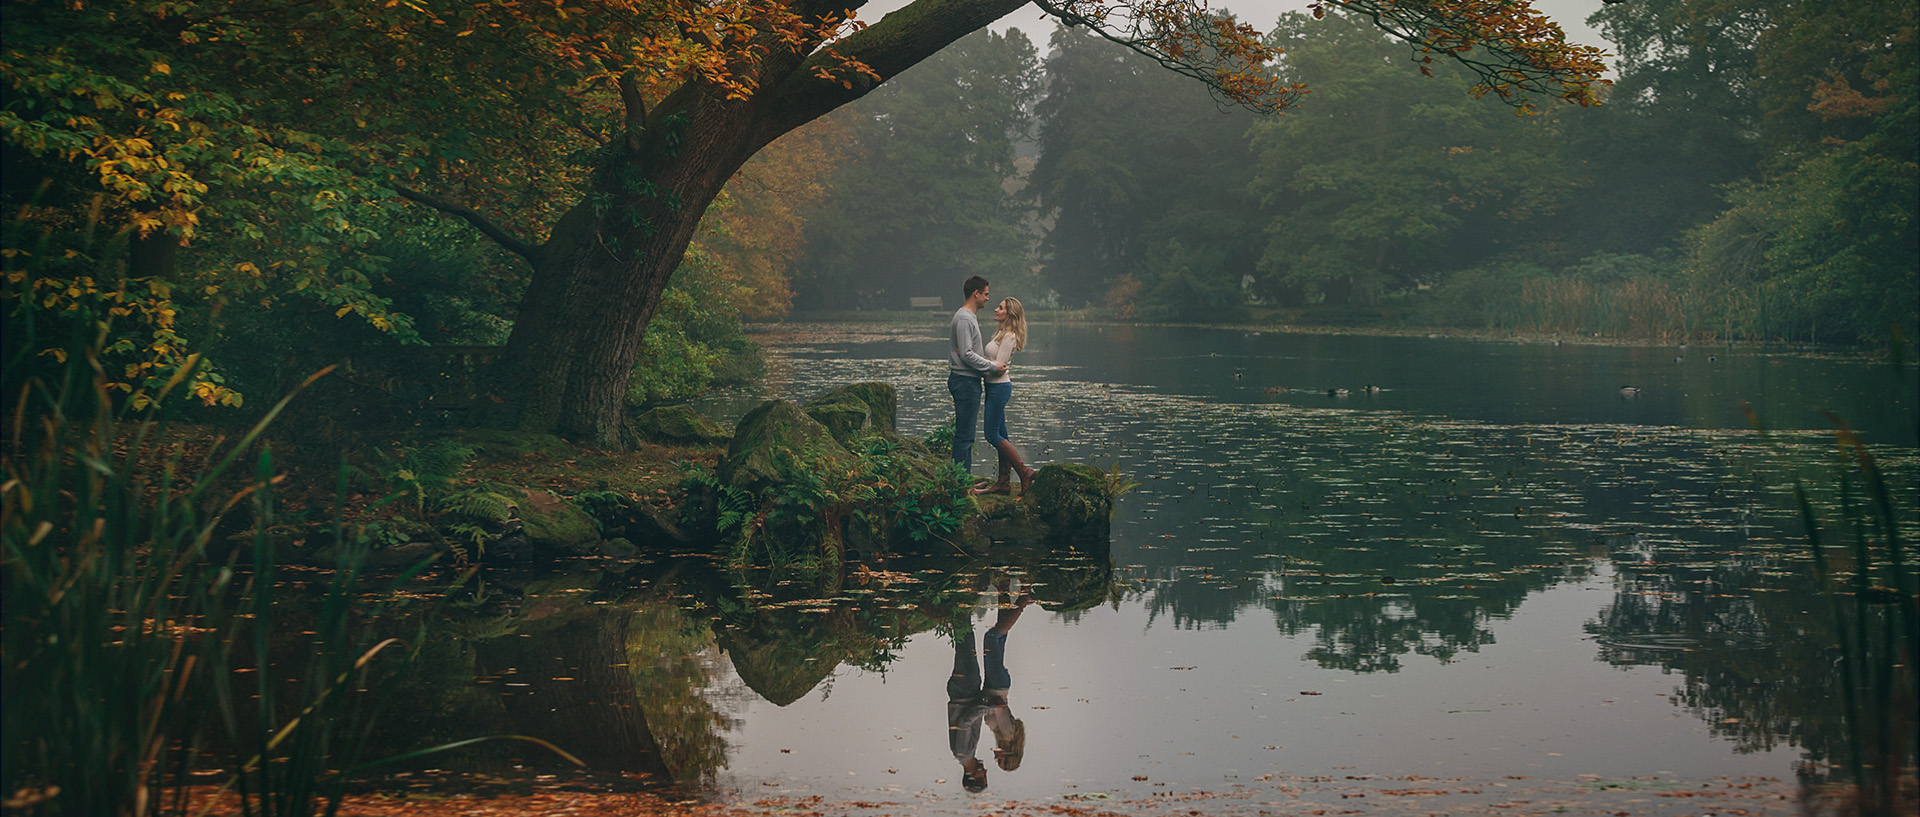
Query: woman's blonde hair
column 1016, row 324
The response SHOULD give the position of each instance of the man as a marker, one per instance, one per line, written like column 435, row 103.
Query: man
column 967, row 363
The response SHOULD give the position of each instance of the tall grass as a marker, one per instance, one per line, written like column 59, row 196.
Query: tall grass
column 122, row 639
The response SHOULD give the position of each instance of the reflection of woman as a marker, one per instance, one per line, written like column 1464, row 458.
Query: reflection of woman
column 1009, row 338
column 971, row 704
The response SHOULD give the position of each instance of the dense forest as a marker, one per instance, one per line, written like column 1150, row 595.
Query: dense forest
column 255, row 194
column 1751, row 175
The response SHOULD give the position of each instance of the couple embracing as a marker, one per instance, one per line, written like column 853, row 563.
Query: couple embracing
column 975, row 369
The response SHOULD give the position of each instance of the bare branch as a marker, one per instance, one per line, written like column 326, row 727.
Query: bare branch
column 487, row 228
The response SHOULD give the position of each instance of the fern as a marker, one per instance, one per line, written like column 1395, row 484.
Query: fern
column 480, row 504
column 1118, row 483
column 469, row 542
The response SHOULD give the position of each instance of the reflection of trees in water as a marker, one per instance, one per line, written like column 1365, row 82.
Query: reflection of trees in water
column 562, row 668
column 1387, row 538
column 626, row 684
column 628, row 672
column 1757, row 653
column 1738, row 611
column 676, row 671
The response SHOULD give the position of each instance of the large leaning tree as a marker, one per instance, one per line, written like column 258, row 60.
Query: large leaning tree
column 587, row 137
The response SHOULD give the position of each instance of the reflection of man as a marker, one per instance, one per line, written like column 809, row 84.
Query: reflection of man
column 966, row 363
column 971, row 703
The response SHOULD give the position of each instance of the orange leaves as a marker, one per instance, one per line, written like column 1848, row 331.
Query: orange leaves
column 1835, row 98
column 1188, row 37
column 1516, row 51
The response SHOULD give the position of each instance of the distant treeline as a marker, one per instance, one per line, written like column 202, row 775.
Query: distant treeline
column 1751, row 175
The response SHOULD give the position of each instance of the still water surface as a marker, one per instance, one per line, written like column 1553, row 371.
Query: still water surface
column 1495, row 566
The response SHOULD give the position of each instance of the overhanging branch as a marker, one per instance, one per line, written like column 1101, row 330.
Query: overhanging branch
column 896, row 42
column 487, row 228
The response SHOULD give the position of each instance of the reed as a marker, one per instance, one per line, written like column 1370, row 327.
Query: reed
column 118, row 630
column 1644, row 308
column 1865, row 574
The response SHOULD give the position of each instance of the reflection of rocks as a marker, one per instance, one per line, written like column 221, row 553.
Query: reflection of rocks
column 783, row 650
column 778, row 666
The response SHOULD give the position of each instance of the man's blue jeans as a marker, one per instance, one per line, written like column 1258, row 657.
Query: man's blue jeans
column 966, row 393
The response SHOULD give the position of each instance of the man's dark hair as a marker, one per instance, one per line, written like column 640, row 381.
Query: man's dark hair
column 974, row 284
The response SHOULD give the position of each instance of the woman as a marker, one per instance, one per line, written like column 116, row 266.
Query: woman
column 1009, row 338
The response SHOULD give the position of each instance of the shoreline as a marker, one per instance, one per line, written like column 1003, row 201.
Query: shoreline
column 1908, row 354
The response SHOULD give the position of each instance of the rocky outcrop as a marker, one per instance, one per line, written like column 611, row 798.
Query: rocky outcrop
column 677, row 425
column 776, row 429
column 849, row 410
column 1073, row 501
column 623, row 518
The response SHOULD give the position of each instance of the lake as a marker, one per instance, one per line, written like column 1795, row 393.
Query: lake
column 1496, row 568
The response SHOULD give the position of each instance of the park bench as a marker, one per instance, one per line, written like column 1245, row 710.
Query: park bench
column 930, row 302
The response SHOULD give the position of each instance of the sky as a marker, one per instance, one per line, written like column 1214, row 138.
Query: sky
column 1570, row 14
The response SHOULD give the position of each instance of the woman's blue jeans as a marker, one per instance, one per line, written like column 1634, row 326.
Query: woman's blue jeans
column 997, row 396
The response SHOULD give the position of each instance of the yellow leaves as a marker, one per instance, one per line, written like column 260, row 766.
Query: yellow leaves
column 145, row 222
column 162, row 68
column 214, row 394
column 342, row 311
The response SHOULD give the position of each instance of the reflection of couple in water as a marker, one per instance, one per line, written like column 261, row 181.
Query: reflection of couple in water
column 972, row 703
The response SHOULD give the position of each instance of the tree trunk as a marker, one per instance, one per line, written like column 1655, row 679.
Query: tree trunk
column 599, row 278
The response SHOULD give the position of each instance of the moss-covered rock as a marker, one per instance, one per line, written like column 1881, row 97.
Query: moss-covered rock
column 852, row 409
column 554, row 524
column 501, row 444
column 1073, row 501
column 621, row 516
column 775, row 429
column 677, row 425
column 1002, row 517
